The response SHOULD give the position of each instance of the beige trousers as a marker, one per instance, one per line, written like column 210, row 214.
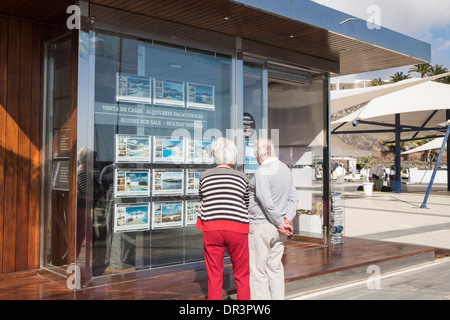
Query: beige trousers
column 266, row 247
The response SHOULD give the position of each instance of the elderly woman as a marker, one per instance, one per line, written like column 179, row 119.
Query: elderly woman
column 223, row 218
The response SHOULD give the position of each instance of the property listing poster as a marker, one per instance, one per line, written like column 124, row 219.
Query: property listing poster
column 131, row 217
column 192, row 210
column 200, row 96
column 131, row 148
column 251, row 163
column 193, row 181
column 199, row 151
column 168, row 93
column 168, row 150
column 132, row 183
column 133, row 88
column 167, row 182
column 167, row 214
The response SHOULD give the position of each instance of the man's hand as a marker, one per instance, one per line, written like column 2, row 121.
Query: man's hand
column 287, row 229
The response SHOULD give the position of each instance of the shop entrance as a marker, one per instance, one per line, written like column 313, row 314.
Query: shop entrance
column 288, row 105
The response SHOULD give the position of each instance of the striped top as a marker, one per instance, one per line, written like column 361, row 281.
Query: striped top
column 223, row 194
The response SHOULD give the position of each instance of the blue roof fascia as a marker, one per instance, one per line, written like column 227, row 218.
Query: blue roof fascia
column 312, row 13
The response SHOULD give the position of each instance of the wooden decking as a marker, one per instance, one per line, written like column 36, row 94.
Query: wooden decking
column 189, row 282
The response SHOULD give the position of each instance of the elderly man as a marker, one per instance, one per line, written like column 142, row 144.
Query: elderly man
column 273, row 204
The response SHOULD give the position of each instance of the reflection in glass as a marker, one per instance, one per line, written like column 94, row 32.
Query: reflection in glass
column 299, row 109
column 59, row 249
column 149, row 100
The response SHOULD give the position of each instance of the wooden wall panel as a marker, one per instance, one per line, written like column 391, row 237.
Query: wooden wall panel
column 11, row 146
column 24, row 145
column 3, row 73
column 21, row 85
column 35, row 147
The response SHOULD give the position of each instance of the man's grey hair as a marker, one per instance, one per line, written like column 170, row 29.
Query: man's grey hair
column 224, row 151
column 264, row 147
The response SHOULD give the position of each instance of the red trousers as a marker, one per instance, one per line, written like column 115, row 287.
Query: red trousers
column 215, row 243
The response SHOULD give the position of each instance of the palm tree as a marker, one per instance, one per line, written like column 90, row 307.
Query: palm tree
column 423, row 69
column 399, row 76
column 445, row 80
column 377, row 82
column 437, row 69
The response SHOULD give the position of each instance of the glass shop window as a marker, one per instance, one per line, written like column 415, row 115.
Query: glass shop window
column 157, row 109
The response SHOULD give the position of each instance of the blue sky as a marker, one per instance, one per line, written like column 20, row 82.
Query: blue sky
column 426, row 20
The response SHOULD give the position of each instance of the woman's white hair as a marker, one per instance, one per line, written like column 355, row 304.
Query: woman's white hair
column 224, row 151
column 264, row 147
column 84, row 155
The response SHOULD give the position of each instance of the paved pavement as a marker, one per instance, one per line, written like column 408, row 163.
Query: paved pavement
column 398, row 217
column 425, row 282
column 393, row 217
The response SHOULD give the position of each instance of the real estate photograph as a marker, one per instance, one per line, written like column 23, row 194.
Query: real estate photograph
column 199, row 151
column 167, row 182
column 167, row 150
column 133, row 217
column 167, row 214
column 200, row 96
column 168, row 93
column 132, row 183
column 133, row 88
column 133, row 148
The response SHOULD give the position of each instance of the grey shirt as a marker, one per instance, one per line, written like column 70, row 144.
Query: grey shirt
column 272, row 194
